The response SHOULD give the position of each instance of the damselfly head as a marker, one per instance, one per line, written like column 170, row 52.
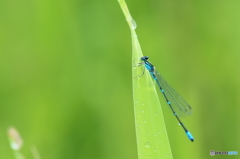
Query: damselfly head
column 144, row 58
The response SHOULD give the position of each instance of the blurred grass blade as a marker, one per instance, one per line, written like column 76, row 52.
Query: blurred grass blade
column 16, row 142
column 152, row 139
column 35, row 152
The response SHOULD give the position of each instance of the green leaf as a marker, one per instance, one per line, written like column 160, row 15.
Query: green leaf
column 152, row 139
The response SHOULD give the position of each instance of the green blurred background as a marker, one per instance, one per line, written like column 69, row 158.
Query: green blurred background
column 65, row 75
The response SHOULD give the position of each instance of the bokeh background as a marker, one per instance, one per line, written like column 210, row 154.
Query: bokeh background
column 65, row 75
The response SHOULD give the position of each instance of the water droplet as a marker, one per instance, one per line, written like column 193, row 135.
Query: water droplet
column 134, row 24
column 143, row 111
column 167, row 155
column 149, row 155
column 147, row 144
column 144, row 121
column 155, row 149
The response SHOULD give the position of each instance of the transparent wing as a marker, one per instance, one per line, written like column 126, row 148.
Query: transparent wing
column 179, row 105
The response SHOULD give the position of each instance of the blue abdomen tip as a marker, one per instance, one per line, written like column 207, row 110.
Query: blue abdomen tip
column 190, row 136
